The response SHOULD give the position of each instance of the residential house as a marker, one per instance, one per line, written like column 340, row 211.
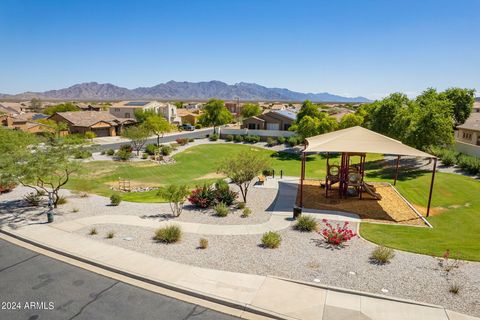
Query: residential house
column 187, row 116
column 102, row 123
column 126, row 109
column 88, row 107
column 24, row 123
column 467, row 135
column 11, row 108
column 234, row 107
column 271, row 120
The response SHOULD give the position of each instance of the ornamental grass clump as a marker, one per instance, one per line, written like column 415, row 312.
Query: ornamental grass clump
column 168, row 234
column 337, row 235
column 382, row 255
column 221, row 209
column 246, row 213
column 203, row 243
column 306, row 224
column 271, row 240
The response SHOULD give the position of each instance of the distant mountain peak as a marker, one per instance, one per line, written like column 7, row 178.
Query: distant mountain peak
column 182, row 90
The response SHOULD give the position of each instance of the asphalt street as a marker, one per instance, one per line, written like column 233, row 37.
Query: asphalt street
column 34, row 286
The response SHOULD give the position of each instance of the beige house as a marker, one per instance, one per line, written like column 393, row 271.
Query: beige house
column 469, row 132
column 126, row 109
column 102, row 123
column 270, row 120
column 24, row 123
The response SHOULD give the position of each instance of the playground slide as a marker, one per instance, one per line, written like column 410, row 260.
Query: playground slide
column 367, row 188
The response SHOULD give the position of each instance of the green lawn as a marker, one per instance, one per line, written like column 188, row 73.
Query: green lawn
column 457, row 228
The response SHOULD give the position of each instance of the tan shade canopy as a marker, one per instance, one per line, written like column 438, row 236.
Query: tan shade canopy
column 361, row 140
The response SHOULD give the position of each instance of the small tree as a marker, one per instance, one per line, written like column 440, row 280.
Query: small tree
column 36, row 105
column 215, row 114
column 158, row 125
column 250, row 110
column 176, row 196
column 90, row 135
column 138, row 136
column 243, row 168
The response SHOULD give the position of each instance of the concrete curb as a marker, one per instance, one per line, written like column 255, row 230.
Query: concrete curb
column 210, row 298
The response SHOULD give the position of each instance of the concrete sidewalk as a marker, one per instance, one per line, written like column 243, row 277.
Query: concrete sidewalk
column 281, row 298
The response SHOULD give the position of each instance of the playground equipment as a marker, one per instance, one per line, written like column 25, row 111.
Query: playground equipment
column 349, row 176
column 124, row 185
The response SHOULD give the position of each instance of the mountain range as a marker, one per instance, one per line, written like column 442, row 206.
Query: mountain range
column 181, row 91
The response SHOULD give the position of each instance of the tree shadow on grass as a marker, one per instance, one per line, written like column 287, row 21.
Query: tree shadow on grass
column 286, row 156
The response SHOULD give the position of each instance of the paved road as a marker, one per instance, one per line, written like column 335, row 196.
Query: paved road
column 75, row 293
column 202, row 133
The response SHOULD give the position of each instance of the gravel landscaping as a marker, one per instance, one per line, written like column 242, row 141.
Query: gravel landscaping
column 304, row 256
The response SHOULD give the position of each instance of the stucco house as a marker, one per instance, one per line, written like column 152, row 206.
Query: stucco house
column 126, row 109
column 24, row 122
column 469, row 132
column 187, row 116
column 270, row 120
column 102, row 123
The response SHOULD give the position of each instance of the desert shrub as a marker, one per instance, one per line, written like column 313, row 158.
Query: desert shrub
column 252, row 139
column 449, row 158
column 238, row 138
column 203, row 197
column 124, row 154
column 246, row 213
column 166, row 150
column 126, row 147
column 33, row 199
column 294, row 140
column 271, row 142
column 81, row 154
column 221, row 209
column 223, row 193
column 93, row 231
column 382, row 255
column 151, row 149
column 267, row 172
column 241, row 205
column 75, row 210
column 281, row 140
column 145, row 156
column 337, row 235
column 110, row 234
column 469, row 164
column 454, row 288
column 191, row 139
column 306, row 224
column 271, row 240
column 90, row 135
column 182, row 141
column 229, row 137
column 198, row 126
column 102, row 152
column 61, row 200
column 214, row 137
column 7, row 186
column 203, row 243
column 168, row 234
column 115, row 200
column 110, row 152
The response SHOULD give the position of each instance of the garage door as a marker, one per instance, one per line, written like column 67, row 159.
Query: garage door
column 102, row 132
column 273, row 126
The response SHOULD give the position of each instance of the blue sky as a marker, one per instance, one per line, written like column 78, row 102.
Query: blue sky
column 369, row 48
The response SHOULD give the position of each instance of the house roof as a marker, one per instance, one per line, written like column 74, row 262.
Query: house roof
column 131, row 104
column 89, row 118
column 183, row 112
column 9, row 109
column 287, row 114
column 472, row 123
column 360, row 140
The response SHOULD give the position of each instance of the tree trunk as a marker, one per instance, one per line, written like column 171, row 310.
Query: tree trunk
column 158, row 140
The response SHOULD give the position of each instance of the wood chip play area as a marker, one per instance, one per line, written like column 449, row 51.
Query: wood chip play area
column 391, row 208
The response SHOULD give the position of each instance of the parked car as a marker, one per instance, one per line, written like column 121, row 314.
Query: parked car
column 187, row 127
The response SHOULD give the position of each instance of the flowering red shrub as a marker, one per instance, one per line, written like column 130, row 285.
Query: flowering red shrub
column 203, row 197
column 336, row 235
column 182, row 141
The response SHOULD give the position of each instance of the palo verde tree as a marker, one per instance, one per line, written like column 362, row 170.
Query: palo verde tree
column 350, row 120
column 215, row 114
column 250, row 110
column 158, row 125
column 137, row 135
column 243, row 168
column 176, row 195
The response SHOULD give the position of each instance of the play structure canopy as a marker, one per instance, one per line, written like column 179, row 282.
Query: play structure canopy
column 360, row 140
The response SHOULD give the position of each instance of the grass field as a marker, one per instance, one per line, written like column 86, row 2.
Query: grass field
column 456, row 198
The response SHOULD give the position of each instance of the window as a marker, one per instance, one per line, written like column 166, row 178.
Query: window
column 286, row 126
column 252, row 126
column 117, row 110
column 127, row 115
column 273, row 126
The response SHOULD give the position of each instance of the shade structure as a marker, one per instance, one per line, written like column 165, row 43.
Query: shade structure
column 360, row 140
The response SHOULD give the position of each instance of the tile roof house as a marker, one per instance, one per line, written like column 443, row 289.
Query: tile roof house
column 187, row 116
column 271, row 120
column 24, row 123
column 102, row 123
column 126, row 109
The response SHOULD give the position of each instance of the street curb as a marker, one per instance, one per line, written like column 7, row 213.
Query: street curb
column 210, row 298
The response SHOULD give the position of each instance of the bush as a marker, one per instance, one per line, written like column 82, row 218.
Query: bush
column 168, row 234
column 229, row 137
column 382, row 255
column 33, row 199
column 81, row 154
column 166, row 150
column 246, row 213
column 241, row 205
column 203, row 197
column 126, row 147
column 271, row 142
column 306, row 224
column 238, row 138
column 449, row 158
column 221, row 209
column 93, row 231
column 203, row 243
column 267, row 172
column 7, row 186
column 214, row 137
column 151, row 149
column 124, row 154
column 191, row 139
column 110, row 235
column 271, row 240
column 294, row 140
column 110, row 152
column 90, row 135
column 281, row 140
column 145, row 156
column 469, row 164
column 102, row 152
column 182, row 141
column 337, row 235
column 61, row 200
column 454, row 288
column 115, row 200
column 75, row 210
column 252, row 139
column 223, row 193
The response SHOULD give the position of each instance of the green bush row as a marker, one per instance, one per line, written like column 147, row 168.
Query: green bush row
column 451, row 157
